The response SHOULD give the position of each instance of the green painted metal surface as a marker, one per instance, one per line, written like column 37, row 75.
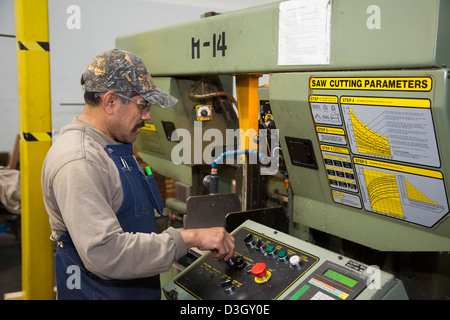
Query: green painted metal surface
column 412, row 34
column 412, row 41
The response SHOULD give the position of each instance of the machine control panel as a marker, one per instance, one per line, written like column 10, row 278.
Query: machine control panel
column 269, row 265
column 262, row 268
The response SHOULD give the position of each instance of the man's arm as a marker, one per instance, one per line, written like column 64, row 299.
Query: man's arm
column 217, row 240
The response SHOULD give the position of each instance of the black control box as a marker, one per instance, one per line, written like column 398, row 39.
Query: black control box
column 262, row 269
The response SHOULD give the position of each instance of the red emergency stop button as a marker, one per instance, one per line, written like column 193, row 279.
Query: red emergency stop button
column 259, row 270
column 261, row 273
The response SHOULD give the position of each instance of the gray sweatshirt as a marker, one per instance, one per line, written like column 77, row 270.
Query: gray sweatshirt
column 82, row 193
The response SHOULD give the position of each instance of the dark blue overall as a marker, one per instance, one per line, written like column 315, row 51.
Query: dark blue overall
column 140, row 196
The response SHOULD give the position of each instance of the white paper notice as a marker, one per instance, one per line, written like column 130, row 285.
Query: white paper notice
column 304, row 32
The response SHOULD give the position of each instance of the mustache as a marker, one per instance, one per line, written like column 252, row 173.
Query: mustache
column 139, row 125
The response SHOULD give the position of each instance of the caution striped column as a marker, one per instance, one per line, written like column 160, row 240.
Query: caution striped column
column 34, row 45
column 36, row 136
column 33, row 65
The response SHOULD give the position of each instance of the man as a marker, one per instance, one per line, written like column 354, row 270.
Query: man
column 100, row 202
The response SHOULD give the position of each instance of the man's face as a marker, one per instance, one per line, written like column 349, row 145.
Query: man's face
column 129, row 119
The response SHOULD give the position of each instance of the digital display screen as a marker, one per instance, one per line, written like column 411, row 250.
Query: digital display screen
column 339, row 277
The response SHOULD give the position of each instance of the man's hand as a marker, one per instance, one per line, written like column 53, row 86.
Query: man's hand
column 217, row 240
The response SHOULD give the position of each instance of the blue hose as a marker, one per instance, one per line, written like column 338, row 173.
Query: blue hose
column 228, row 153
column 214, row 177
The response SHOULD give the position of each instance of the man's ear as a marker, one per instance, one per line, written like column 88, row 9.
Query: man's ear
column 109, row 102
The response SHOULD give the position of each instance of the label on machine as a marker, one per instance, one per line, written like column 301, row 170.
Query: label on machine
column 371, row 147
column 390, row 128
column 412, row 194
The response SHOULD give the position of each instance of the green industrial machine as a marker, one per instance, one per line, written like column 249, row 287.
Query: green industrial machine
column 358, row 97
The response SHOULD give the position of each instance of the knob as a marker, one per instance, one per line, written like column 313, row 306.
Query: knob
column 239, row 262
column 249, row 239
column 227, row 286
column 259, row 244
column 236, row 262
column 207, row 181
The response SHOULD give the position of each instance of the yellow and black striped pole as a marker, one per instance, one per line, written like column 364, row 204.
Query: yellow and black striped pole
column 33, row 61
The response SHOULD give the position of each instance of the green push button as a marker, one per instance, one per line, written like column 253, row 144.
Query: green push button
column 270, row 249
column 282, row 254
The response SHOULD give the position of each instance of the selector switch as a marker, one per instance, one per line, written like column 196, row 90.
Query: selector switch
column 237, row 262
column 227, row 286
column 249, row 239
column 259, row 244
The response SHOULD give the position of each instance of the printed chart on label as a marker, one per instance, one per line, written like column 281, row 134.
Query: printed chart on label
column 408, row 193
column 391, row 128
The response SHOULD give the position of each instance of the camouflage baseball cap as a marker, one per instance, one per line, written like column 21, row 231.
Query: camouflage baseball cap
column 122, row 71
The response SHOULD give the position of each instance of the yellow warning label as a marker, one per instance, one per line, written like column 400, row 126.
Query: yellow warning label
column 394, row 102
column 323, row 99
column 324, row 147
column 398, row 167
column 330, row 130
column 373, row 83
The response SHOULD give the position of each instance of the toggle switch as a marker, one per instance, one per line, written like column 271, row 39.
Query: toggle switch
column 259, row 245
